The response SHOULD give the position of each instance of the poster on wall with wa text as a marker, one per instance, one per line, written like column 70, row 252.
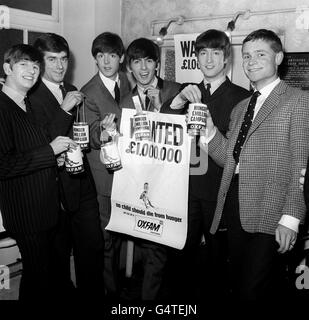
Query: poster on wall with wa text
column 186, row 66
column 150, row 193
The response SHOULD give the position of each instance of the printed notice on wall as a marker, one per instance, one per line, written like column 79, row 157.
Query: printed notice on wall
column 186, row 66
column 295, row 69
column 150, row 193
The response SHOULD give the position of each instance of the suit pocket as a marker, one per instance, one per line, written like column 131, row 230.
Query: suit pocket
column 274, row 198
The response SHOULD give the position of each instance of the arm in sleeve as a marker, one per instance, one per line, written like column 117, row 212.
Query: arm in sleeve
column 218, row 145
column 299, row 150
column 14, row 163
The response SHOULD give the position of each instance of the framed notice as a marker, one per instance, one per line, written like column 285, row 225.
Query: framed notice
column 38, row 6
column 295, row 69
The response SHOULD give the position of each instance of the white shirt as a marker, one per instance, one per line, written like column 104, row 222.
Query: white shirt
column 54, row 89
column 264, row 93
column 214, row 85
column 15, row 96
column 109, row 83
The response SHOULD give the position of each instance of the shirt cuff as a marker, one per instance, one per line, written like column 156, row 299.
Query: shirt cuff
column 205, row 139
column 177, row 103
column 289, row 222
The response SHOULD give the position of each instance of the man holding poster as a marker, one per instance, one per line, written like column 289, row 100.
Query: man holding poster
column 146, row 165
column 213, row 51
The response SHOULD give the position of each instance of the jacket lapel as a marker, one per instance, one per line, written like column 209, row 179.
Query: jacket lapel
column 272, row 102
column 105, row 94
column 47, row 98
column 124, row 89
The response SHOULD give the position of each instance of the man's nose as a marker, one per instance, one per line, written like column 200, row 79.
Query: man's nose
column 252, row 60
column 31, row 69
column 59, row 64
column 209, row 57
column 106, row 59
column 144, row 66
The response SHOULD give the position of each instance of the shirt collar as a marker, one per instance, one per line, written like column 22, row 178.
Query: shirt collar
column 52, row 86
column 214, row 85
column 153, row 84
column 108, row 83
column 265, row 92
column 14, row 95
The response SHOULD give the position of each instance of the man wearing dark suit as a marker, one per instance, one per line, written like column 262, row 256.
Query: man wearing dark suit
column 262, row 154
column 53, row 101
column 143, row 57
column 103, row 94
column 213, row 51
column 28, row 176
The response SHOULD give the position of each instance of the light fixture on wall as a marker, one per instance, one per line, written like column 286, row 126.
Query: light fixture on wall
column 163, row 31
column 231, row 25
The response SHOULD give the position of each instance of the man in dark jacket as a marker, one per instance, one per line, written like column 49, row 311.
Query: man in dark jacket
column 213, row 50
column 28, row 176
column 53, row 103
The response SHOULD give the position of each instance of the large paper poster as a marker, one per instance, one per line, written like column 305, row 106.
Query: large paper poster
column 186, row 66
column 150, row 193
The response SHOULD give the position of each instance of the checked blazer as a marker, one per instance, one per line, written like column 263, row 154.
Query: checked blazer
column 275, row 150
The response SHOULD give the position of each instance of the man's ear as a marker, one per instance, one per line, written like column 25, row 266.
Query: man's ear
column 157, row 69
column 279, row 58
column 121, row 59
column 7, row 68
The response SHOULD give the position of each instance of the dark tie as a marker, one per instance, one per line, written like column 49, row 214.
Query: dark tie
column 27, row 105
column 245, row 126
column 207, row 91
column 147, row 102
column 63, row 91
column 117, row 93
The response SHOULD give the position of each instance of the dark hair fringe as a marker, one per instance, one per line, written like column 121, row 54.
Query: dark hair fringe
column 107, row 42
column 266, row 35
column 213, row 39
column 21, row 52
column 52, row 42
column 143, row 48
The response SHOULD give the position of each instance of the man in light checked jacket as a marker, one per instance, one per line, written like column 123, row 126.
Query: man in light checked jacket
column 259, row 198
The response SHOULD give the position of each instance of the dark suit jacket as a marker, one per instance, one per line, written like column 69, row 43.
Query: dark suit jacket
column 28, row 176
column 99, row 102
column 167, row 88
column 220, row 105
column 47, row 112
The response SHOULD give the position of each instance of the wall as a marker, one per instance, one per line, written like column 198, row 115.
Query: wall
column 83, row 20
column 135, row 24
